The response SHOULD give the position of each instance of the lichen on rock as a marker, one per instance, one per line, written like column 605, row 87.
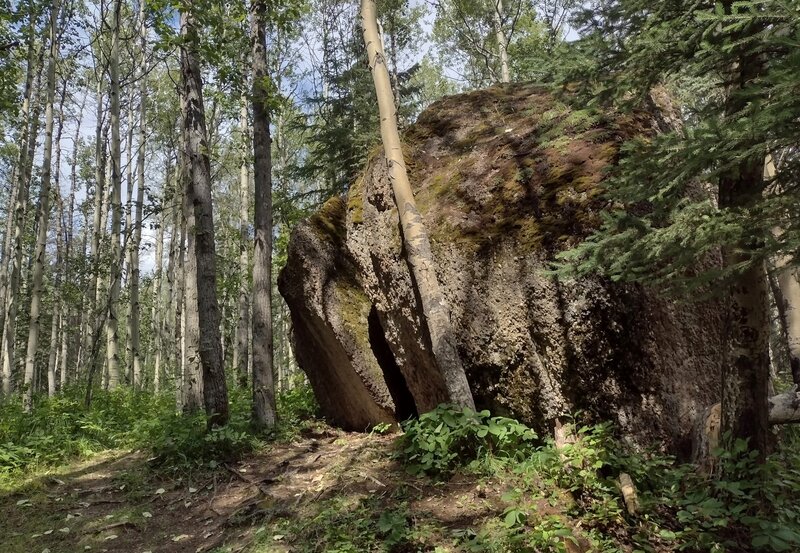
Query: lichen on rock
column 505, row 178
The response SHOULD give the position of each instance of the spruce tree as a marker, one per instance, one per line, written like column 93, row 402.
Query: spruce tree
column 660, row 227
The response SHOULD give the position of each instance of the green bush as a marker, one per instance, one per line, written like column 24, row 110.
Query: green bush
column 297, row 403
column 62, row 428
column 449, row 437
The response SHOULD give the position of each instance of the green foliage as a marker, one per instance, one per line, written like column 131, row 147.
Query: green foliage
column 62, row 428
column 729, row 65
column 745, row 499
column 298, row 403
column 179, row 440
column 448, row 437
column 571, row 494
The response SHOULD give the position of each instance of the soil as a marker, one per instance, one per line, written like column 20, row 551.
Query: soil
column 118, row 502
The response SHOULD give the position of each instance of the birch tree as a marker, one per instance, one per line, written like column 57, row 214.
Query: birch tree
column 44, row 210
column 115, row 272
column 415, row 237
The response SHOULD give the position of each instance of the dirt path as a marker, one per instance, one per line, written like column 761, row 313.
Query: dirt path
column 115, row 502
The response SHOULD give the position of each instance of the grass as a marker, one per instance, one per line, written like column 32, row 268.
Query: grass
column 62, row 429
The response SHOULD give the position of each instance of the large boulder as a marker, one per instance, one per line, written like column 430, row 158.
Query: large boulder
column 505, row 179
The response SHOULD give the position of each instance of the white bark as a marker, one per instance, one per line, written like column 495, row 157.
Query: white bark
column 502, row 43
column 44, row 211
column 240, row 352
column 415, row 237
column 115, row 272
column 27, row 150
column 133, row 322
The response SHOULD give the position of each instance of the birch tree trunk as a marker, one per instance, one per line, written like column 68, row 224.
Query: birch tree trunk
column 115, row 272
column 133, row 322
column 18, row 178
column 415, row 237
column 215, row 392
column 171, row 323
column 787, row 296
column 240, row 353
column 158, row 296
column 44, row 212
column 179, row 314
column 502, row 43
column 57, row 292
column 190, row 323
column 27, row 152
column 127, row 240
column 65, row 307
column 263, row 385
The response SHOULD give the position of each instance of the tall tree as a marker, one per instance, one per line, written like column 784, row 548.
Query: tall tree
column 12, row 250
column 133, row 322
column 44, row 209
column 115, row 269
column 240, row 355
column 215, row 393
column 415, row 237
column 263, row 385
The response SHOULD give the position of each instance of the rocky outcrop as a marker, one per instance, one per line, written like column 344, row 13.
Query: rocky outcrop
column 505, row 178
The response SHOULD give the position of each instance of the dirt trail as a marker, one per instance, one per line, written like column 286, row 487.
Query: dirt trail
column 115, row 502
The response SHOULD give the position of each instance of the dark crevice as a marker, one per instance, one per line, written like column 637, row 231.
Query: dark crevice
column 405, row 406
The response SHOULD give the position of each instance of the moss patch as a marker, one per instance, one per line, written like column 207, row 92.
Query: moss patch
column 329, row 221
column 511, row 162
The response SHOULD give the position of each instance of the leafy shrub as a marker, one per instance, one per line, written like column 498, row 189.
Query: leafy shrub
column 62, row 428
column 448, row 437
column 745, row 500
column 297, row 403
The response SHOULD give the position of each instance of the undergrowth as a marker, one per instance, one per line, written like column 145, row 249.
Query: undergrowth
column 61, row 429
column 571, row 494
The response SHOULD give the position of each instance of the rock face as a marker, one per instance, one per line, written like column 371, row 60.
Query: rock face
column 505, row 178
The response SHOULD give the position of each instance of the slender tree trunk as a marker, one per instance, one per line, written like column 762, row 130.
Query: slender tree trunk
column 18, row 178
column 171, row 328
column 180, row 317
column 103, row 278
column 133, row 324
column 190, row 358
column 57, row 294
column 263, row 385
column 158, row 296
column 44, row 211
column 789, row 284
column 51, row 358
column 20, row 210
column 115, row 272
column 415, row 237
column 502, row 43
column 215, row 392
column 240, row 353
column 787, row 296
column 125, row 279
column 65, row 307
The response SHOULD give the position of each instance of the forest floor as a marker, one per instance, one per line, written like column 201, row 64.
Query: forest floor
column 327, row 491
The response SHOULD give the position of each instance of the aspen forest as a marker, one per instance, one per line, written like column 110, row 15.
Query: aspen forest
column 399, row 276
